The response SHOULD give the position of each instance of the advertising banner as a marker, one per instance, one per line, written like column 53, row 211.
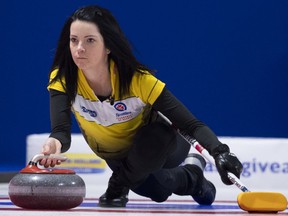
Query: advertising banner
column 265, row 161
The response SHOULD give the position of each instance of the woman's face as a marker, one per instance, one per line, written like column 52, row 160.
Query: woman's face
column 87, row 46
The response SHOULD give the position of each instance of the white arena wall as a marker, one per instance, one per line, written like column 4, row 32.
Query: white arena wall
column 265, row 162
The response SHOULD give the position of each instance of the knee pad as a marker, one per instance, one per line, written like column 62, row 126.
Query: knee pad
column 159, row 199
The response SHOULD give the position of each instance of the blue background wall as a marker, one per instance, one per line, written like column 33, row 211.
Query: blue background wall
column 226, row 60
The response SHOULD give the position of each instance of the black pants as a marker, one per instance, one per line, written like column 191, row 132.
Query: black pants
column 151, row 168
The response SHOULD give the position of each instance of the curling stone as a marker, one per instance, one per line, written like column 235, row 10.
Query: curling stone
column 36, row 188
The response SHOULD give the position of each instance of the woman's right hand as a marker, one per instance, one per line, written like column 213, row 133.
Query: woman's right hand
column 51, row 146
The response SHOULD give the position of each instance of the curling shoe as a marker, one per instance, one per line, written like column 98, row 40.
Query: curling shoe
column 108, row 200
column 205, row 191
column 116, row 195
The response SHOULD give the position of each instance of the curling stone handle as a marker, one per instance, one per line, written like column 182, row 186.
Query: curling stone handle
column 39, row 157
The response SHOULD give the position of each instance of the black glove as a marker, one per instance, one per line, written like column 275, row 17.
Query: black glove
column 226, row 162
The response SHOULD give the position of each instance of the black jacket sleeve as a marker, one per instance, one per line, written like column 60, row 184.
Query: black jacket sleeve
column 184, row 120
column 60, row 117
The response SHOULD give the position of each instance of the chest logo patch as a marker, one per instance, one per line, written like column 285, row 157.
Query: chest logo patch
column 120, row 106
column 92, row 113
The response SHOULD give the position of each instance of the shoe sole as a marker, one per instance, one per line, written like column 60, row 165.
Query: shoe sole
column 190, row 158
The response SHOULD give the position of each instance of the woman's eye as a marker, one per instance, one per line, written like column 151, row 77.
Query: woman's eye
column 73, row 40
column 90, row 40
